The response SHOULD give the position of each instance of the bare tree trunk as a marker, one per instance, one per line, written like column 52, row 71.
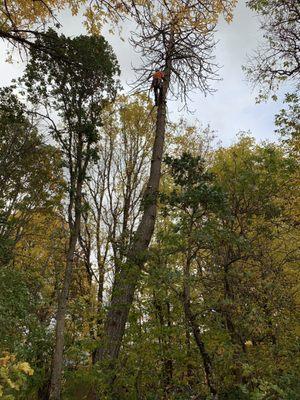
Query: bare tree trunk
column 57, row 361
column 191, row 319
column 127, row 277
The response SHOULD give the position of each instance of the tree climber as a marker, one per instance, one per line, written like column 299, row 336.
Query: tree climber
column 157, row 83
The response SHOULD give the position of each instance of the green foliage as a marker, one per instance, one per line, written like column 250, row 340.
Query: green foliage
column 76, row 80
column 227, row 231
column 14, row 307
column 13, row 376
column 194, row 185
column 231, row 219
column 30, row 174
column 288, row 124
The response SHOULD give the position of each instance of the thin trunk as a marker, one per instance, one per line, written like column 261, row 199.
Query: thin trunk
column 101, row 273
column 60, row 321
column 127, row 277
column 168, row 362
column 74, row 227
column 191, row 319
column 57, row 362
column 101, row 269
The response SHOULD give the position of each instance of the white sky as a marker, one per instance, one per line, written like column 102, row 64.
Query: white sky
column 230, row 110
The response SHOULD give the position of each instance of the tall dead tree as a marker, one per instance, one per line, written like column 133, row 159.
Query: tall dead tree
column 176, row 37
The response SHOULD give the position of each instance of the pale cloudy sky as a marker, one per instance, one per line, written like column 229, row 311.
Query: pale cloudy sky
column 230, row 110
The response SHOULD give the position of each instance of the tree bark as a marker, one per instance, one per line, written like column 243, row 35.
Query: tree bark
column 57, row 362
column 60, row 323
column 75, row 203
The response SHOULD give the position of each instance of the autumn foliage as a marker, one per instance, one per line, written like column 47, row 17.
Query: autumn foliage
column 138, row 259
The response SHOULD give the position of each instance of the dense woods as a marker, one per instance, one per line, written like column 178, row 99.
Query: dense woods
column 138, row 259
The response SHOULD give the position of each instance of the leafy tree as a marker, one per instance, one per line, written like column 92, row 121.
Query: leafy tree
column 195, row 195
column 227, row 253
column 278, row 59
column 215, row 308
column 32, row 188
column 178, row 39
column 30, row 173
column 77, row 92
column 28, row 295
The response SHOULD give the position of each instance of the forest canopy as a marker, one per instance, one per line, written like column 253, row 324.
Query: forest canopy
column 138, row 258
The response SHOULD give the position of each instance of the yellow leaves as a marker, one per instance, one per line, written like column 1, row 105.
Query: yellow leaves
column 131, row 115
column 248, row 343
column 94, row 20
column 25, row 13
column 22, row 15
column 6, row 359
column 229, row 18
column 200, row 15
column 25, row 367
column 12, row 374
column 12, row 385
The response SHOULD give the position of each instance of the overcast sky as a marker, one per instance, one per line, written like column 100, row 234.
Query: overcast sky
column 232, row 108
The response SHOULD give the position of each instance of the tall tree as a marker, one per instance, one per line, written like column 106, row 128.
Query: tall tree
column 196, row 197
column 178, row 38
column 77, row 94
